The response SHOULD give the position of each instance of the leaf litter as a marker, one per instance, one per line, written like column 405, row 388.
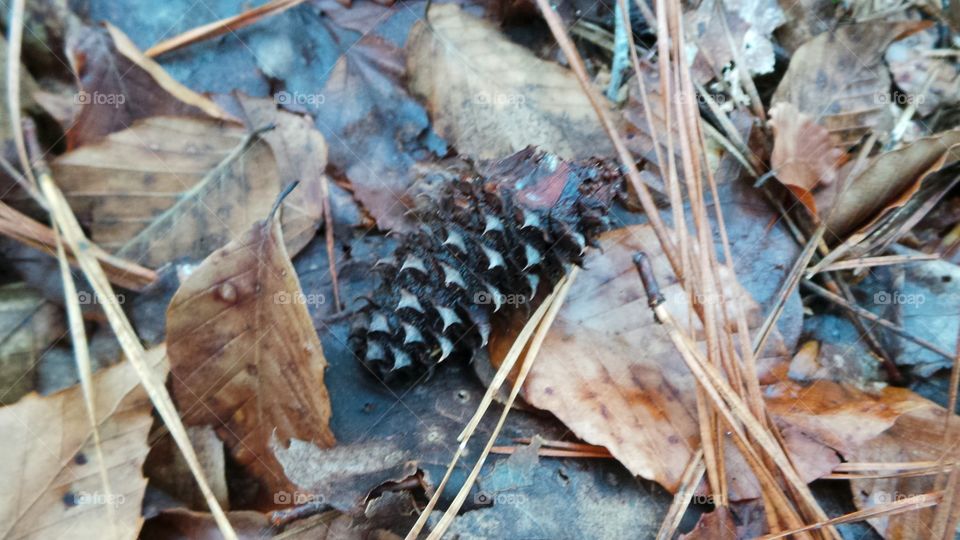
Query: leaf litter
column 713, row 413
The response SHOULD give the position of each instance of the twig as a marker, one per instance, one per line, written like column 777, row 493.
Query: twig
column 689, row 481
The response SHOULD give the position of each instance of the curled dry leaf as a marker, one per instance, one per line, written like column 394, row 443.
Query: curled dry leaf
column 491, row 97
column 244, row 354
column 53, row 486
column 802, row 153
column 119, row 85
column 839, row 78
column 887, row 182
column 173, row 187
column 612, row 375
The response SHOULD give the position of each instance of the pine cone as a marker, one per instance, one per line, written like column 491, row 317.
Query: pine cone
column 484, row 244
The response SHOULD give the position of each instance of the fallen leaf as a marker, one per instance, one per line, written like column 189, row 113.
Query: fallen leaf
column 802, row 154
column 183, row 524
column 715, row 525
column 118, row 85
column 839, row 79
column 54, row 487
column 491, row 97
column 172, row 187
column 612, row 375
column 916, row 436
column 806, row 19
column 888, row 181
column 912, row 64
column 28, row 326
column 244, row 354
column 376, row 130
column 750, row 23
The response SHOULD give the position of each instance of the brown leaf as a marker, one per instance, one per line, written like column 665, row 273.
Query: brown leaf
column 169, row 472
column 916, row 436
column 53, row 486
column 244, row 354
column 173, row 187
column 716, row 525
column 802, row 153
column 491, row 97
column 839, row 78
column 118, row 85
column 611, row 374
column 180, row 523
column 887, row 182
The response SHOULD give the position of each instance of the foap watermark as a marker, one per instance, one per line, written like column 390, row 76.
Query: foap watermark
column 898, row 98
column 297, row 498
column 484, row 498
column 96, row 498
column 299, row 98
column 500, row 299
column 886, row 298
column 499, row 98
column 85, row 298
column 312, row 299
column 99, row 98
column 698, row 99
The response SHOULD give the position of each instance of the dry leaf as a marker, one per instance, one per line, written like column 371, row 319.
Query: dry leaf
column 244, row 354
column 911, row 66
column 491, row 97
column 839, row 79
column 28, row 326
column 715, row 525
column 172, row 187
column 180, row 523
column 118, row 85
column 802, row 153
column 376, row 130
column 916, row 436
column 887, row 182
column 751, row 24
column 53, row 486
column 611, row 374
column 169, row 472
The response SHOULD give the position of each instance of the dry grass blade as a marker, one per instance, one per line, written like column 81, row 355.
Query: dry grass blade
column 908, row 504
column 25, row 230
column 15, row 40
column 681, row 500
column 561, row 292
column 81, row 352
column 502, row 372
column 223, row 26
column 67, row 222
column 882, row 260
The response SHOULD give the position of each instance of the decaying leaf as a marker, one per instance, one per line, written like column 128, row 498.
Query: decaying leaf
column 172, row 187
column 839, row 78
column 887, row 182
column 53, row 486
column 916, row 436
column 491, row 97
column 118, row 85
column 912, row 65
column 750, row 24
column 611, row 374
column 802, row 154
column 244, row 354
column 377, row 131
column 28, row 325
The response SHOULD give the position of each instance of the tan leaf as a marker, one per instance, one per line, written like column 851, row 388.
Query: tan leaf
column 888, row 182
column 173, row 187
column 610, row 373
column 916, row 436
column 53, row 487
column 839, row 78
column 803, row 155
column 491, row 97
column 244, row 354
